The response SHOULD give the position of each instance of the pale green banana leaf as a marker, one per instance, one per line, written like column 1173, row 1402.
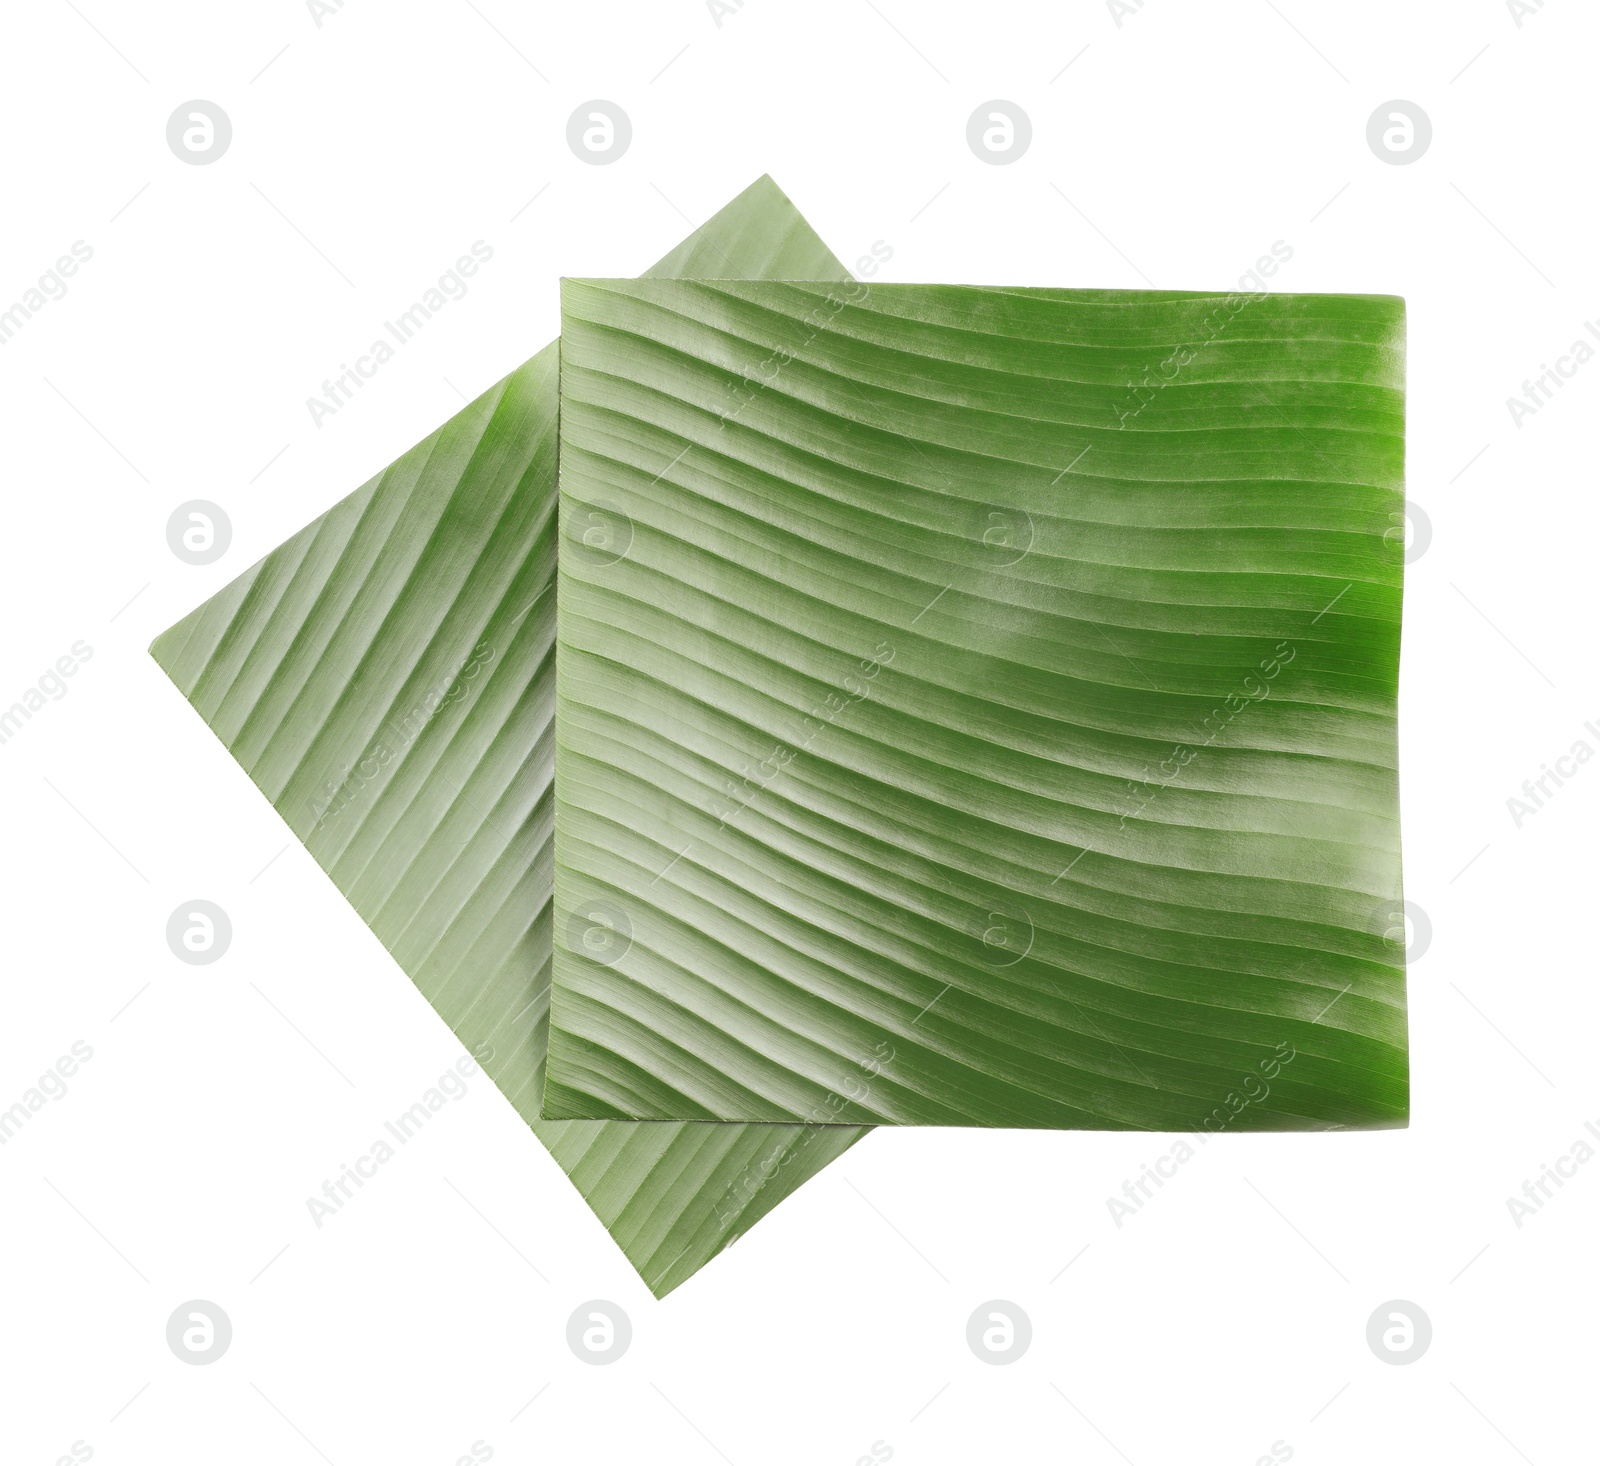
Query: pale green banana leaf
column 386, row 677
column 977, row 706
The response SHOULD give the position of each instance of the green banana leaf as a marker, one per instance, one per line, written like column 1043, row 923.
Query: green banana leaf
column 976, row 706
column 386, row 677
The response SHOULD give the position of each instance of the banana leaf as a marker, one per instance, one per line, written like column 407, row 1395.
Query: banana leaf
column 977, row 706
column 386, row 678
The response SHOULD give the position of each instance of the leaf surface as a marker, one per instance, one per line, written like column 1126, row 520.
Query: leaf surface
column 979, row 703
column 386, row 677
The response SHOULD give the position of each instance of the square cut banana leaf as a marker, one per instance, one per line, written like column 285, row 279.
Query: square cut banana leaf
column 977, row 706
column 386, row 677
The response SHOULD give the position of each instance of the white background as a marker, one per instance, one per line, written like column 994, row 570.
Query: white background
column 1231, row 1312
